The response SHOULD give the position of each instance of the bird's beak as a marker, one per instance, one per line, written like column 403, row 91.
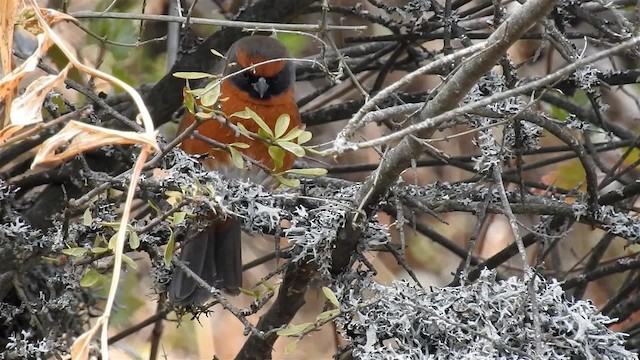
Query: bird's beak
column 261, row 86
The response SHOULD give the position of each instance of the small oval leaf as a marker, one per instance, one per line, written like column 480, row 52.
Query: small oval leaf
column 244, row 114
column 236, row 158
column 308, row 172
column 217, row 53
column 99, row 250
column 294, row 133
column 134, row 240
column 196, row 92
column 178, row 217
column 169, row 249
column 129, row 261
column 277, row 154
column 293, row 148
column 112, row 241
column 294, row 330
column 253, row 294
column 263, row 134
column 189, row 102
column 331, row 296
column 211, row 94
column 192, row 75
column 282, row 124
column 90, row 278
column 304, row 137
column 243, row 130
column 173, row 196
column 327, row 315
column 75, row 251
column 239, row 145
column 286, row 181
column 258, row 120
column 153, row 207
column 87, row 219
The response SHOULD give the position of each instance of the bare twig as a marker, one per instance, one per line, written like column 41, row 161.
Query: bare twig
column 251, row 26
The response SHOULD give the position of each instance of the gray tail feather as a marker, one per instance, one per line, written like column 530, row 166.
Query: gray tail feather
column 215, row 255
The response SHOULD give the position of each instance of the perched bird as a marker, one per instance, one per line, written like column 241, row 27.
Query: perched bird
column 215, row 254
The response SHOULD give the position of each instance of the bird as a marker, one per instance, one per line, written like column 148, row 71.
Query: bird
column 268, row 90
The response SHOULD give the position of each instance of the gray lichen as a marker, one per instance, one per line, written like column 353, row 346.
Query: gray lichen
column 487, row 319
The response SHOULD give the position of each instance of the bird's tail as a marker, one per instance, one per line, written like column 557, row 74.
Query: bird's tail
column 215, row 255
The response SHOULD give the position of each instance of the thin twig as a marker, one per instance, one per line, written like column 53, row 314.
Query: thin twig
column 530, row 276
column 342, row 144
column 255, row 26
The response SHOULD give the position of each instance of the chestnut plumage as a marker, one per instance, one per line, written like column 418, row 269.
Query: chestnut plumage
column 267, row 89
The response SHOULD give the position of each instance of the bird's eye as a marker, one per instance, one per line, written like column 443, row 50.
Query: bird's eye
column 246, row 74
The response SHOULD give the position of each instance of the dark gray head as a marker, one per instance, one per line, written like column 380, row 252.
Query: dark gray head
column 266, row 80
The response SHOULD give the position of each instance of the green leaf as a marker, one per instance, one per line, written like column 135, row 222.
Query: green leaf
column 169, row 249
column 294, row 133
column 304, row 137
column 153, row 207
column 307, row 172
column 177, row 195
column 286, row 181
column 97, row 240
column 178, row 217
column 189, row 102
column 254, row 294
column 113, row 193
column 244, row 114
column 258, row 120
column 294, row 330
column 312, row 151
column 243, row 130
column 87, row 219
column 90, row 278
column 75, row 251
column 211, row 94
column 196, row 92
column 112, row 241
column 236, row 158
column 277, row 154
column 134, row 240
column 327, row 315
column 99, row 250
column 192, row 75
column 239, row 145
column 293, row 148
column 331, row 296
column 129, row 261
column 263, row 134
column 291, row 347
column 271, row 287
column 217, row 53
column 282, row 124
